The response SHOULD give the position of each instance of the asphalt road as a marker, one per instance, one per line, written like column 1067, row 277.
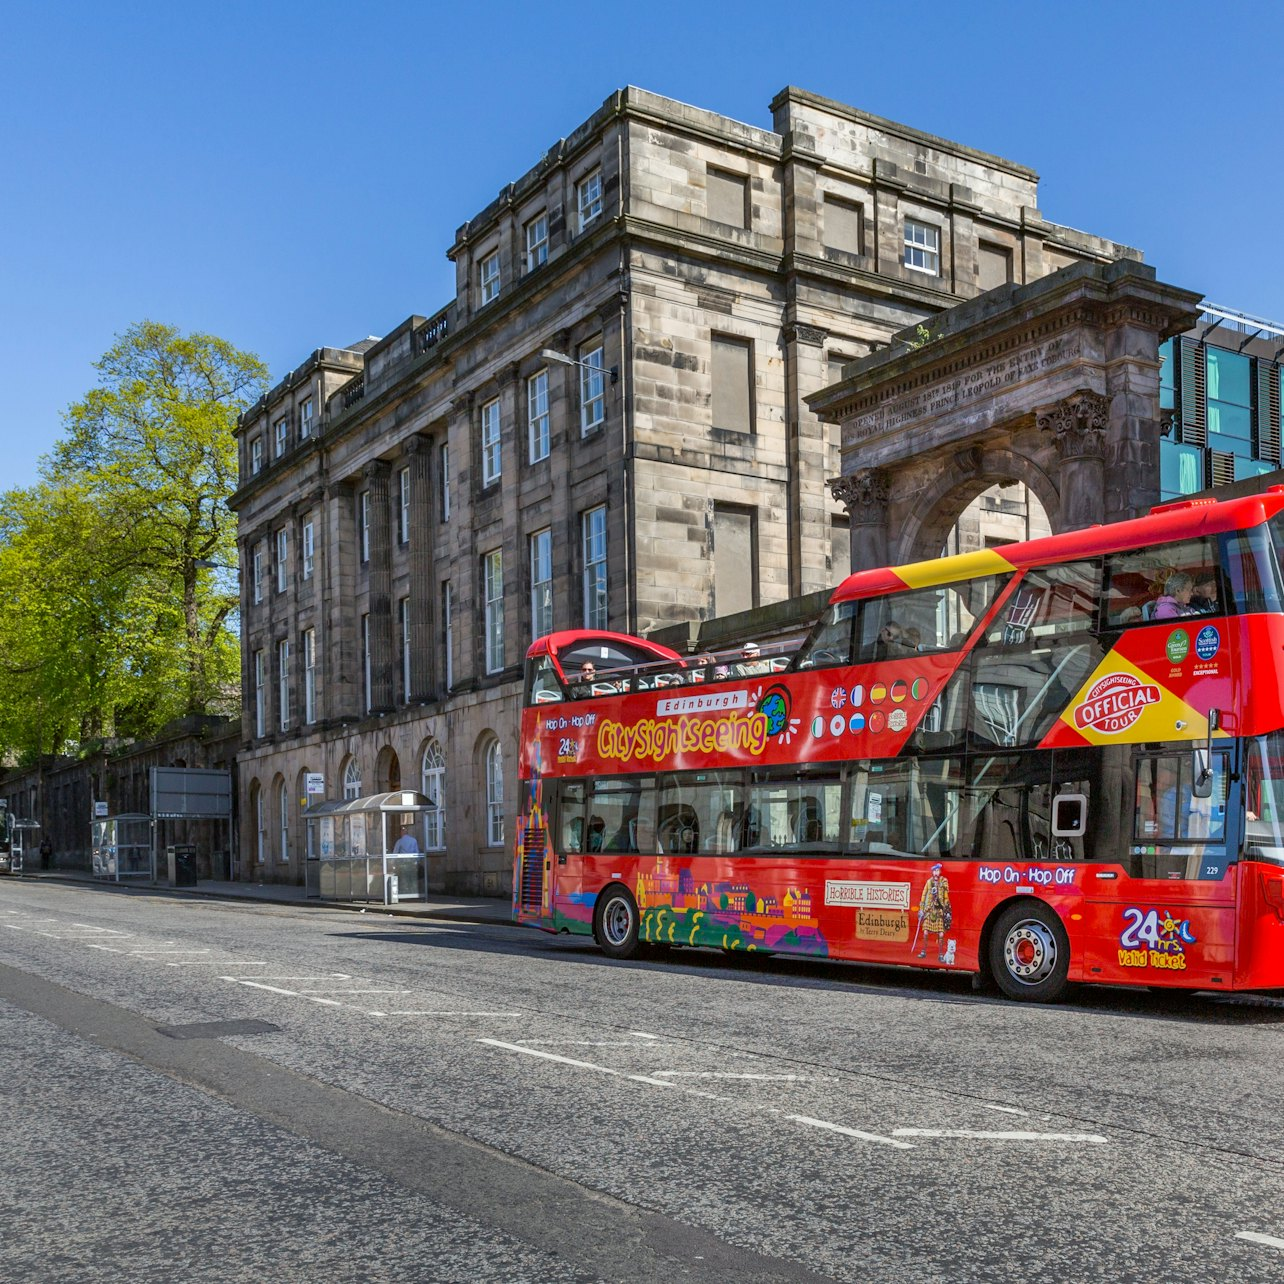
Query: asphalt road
column 221, row 1091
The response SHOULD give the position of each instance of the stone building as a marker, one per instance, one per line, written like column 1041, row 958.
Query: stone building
column 606, row 426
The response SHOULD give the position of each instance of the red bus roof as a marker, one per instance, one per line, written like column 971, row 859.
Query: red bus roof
column 567, row 639
column 1185, row 519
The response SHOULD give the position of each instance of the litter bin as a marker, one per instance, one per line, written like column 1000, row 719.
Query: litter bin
column 182, row 864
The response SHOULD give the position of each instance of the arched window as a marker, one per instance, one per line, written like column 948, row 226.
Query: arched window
column 494, row 795
column 432, row 776
column 283, row 822
column 351, row 780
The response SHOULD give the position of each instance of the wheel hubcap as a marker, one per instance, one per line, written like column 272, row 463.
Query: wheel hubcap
column 617, row 922
column 1030, row 952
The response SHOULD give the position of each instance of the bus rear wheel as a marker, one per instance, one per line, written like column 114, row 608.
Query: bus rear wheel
column 615, row 923
column 1030, row 954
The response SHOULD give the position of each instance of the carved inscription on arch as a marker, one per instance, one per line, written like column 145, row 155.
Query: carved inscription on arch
column 980, row 383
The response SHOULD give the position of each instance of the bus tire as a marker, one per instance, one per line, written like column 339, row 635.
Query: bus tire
column 615, row 923
column 1030, row 953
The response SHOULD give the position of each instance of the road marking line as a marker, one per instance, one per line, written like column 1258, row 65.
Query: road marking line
column 331, row 976
column 1005, row 1110
column 110, row 949
column 439, row 1012
column 584, row 1043
column 849, row 1132
column 219, row 963
column 147, row 954
column 720, row 1074
column 977, row 1134
column 255, row 985
column 1253, row 1237
column 309, row 993
column 642, row 1034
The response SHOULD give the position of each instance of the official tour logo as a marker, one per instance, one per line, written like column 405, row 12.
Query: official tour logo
column 1115, row 703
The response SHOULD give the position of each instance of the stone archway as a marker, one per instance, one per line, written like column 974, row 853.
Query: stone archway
column 387, row 771
column 1053, row 384
column 924, row 530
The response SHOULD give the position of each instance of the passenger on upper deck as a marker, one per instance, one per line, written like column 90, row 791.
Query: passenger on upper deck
column 590, row 684
column 751, row 662
column 1203, row 600
column 1175, row 599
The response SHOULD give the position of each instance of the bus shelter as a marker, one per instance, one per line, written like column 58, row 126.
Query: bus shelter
column 351, row 856
column 122, row 847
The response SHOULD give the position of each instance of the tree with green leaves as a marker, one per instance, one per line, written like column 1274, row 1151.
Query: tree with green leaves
column 117, row 619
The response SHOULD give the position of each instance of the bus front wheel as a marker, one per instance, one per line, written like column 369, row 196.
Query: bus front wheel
column 615, row 923
column 1030, row 953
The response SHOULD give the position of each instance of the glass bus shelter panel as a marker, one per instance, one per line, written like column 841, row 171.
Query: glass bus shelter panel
column 122, row 847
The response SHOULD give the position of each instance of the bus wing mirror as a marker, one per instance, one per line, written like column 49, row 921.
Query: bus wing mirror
column 1203, row 775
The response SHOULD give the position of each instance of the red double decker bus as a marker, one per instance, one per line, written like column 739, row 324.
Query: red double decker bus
column 1048, row 762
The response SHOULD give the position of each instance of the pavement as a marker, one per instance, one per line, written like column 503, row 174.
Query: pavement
column 460, row 909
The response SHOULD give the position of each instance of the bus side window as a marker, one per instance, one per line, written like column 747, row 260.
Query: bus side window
column 570, row 818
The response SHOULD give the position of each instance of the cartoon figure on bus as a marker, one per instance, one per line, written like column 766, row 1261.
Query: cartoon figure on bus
column 934, row 914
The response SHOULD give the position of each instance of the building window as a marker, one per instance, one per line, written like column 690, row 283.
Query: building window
column 260, row 693
column 993, row 266
column 280, row 436
column 537, row 415
column 727, row 198
column 283, row 682
column 256, row 455
column 309, row 548
column 489, row 277
column 363, row 524
column 490, row 442
column 257, row 560
column 260, row 823
column 366, row 684
column 403, row 617
column 922, row 247
column 731, row 378
column 493, row 580
column 305, row 418
column 447, row 649
column 536, row 242
column 432, row 784
column 843, row 226
column 444, row 470
column 735, row 558
column 589, row 193
column 309, row 676
column 282, row 559
column 592, row 388
column 1228, row 378
column 494, row 795
column 403, row 509
column 283, row 823
column 541, row 583
column 351, row 780
column 593, row 530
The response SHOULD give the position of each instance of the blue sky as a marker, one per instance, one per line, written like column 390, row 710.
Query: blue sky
column 287, row 175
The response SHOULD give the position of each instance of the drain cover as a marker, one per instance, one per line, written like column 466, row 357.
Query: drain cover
column 216, row 1029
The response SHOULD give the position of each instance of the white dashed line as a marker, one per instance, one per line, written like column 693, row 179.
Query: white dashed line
column 849, row 1132
column 438, row 1012
column 1254, row 1238
column 976, row 1134
column 727, row 1074
column 1005, row 1110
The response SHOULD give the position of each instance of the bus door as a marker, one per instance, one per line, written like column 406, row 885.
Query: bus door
column 1164, row 914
